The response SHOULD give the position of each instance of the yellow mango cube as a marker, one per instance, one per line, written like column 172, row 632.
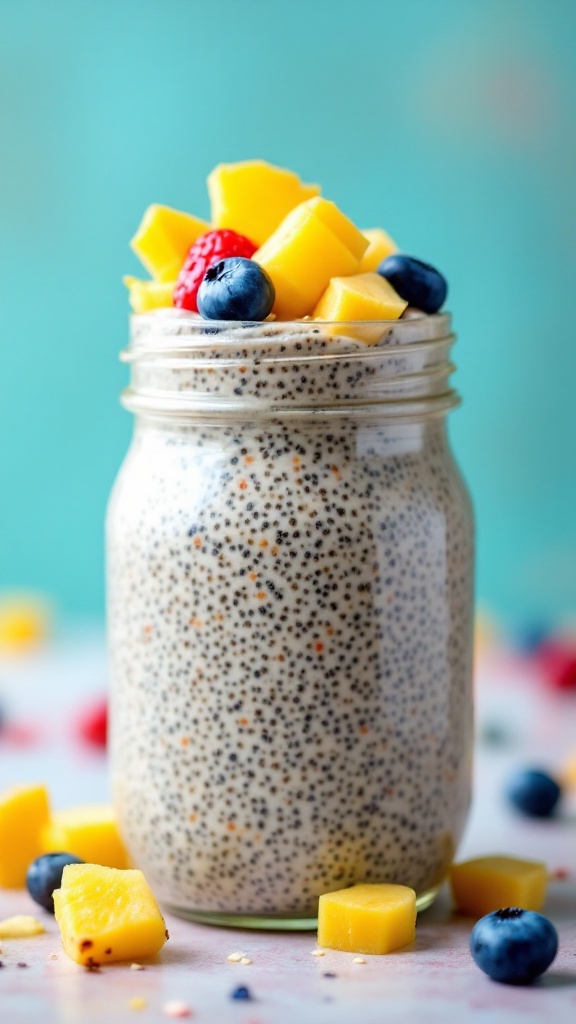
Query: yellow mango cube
column 106, row 915
column 253, row 197
column 485, row 884
column 24, row 811
column 163, row 239
column 367, row 918
column 360, row 297
column 89, row 832
column 314, row 243
column 380, row 245
column 147, row 295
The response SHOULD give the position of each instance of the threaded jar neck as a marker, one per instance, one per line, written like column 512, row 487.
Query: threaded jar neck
column 185, row 367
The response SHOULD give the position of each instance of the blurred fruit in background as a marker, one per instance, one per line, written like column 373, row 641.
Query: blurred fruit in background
column 91, row 725
column 487, row 634
column 25, row 622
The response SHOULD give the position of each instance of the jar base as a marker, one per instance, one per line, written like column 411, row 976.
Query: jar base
column 274, row 922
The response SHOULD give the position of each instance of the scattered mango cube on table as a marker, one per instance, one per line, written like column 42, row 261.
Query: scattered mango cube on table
column 147, row 295
column 107, row 915
column 253, row 197
column 89, row 832
column 314, row 243
column 367, row 918
column 485, row 884
column 24, row 811
column 380, row 245
column 163, row 239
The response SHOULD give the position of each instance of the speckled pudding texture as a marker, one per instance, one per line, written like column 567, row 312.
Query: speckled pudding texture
column 290, row 604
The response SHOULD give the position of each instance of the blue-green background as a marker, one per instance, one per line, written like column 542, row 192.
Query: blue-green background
column 450, row 123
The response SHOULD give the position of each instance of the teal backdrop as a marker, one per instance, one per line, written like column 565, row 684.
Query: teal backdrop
column 451, row 124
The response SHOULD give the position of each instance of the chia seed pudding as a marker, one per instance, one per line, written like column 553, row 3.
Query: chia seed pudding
column 290, row 555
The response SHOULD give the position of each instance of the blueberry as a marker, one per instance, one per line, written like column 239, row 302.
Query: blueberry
column 533, row 792
column 242, row 993
column 235, row 289
column 418, row 283
column 45, row 874
column 513, row 945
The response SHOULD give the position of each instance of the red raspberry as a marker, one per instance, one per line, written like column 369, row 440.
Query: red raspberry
column 203, row 254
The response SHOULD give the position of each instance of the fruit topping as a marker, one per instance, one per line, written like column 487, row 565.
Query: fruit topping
column 163, row 239
column 380, row 245
column 253, row 197
column 367, row 918
column 147, row 295
column 533, row 792
column 207, row 250
column 314, row 243
column 360, row 297
column 304, row 243
column 420, row 284
column 106, row 915
column 236, row 289
column 487, row 883
column 45, row 874
column 513, row 945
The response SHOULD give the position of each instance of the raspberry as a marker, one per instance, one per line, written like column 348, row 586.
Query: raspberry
column 207, row 250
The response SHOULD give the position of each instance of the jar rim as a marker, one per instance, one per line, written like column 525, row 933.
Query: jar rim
column 159, row 330
column 184, row 365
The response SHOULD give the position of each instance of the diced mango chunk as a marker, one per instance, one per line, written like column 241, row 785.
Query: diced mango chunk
column 367, row 918
column 253, row 197
column 163, row 239
column 147, row 295
column 360, row 297
column 380, row 246
column 312, row 244
column 89, row 832
column 485, row 884
column 22, row 926
column 24, row 811
column 107, row 915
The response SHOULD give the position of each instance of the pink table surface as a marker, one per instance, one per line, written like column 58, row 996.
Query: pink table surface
column 433, row 981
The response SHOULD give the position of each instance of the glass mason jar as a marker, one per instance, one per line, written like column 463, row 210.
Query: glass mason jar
column 290, row 578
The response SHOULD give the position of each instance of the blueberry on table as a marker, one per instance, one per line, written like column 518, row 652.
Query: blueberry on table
column 236, row 289
column 242, row 994
column 418, row 283
column 533, row 792
column 45, row 874
column 513, row 946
